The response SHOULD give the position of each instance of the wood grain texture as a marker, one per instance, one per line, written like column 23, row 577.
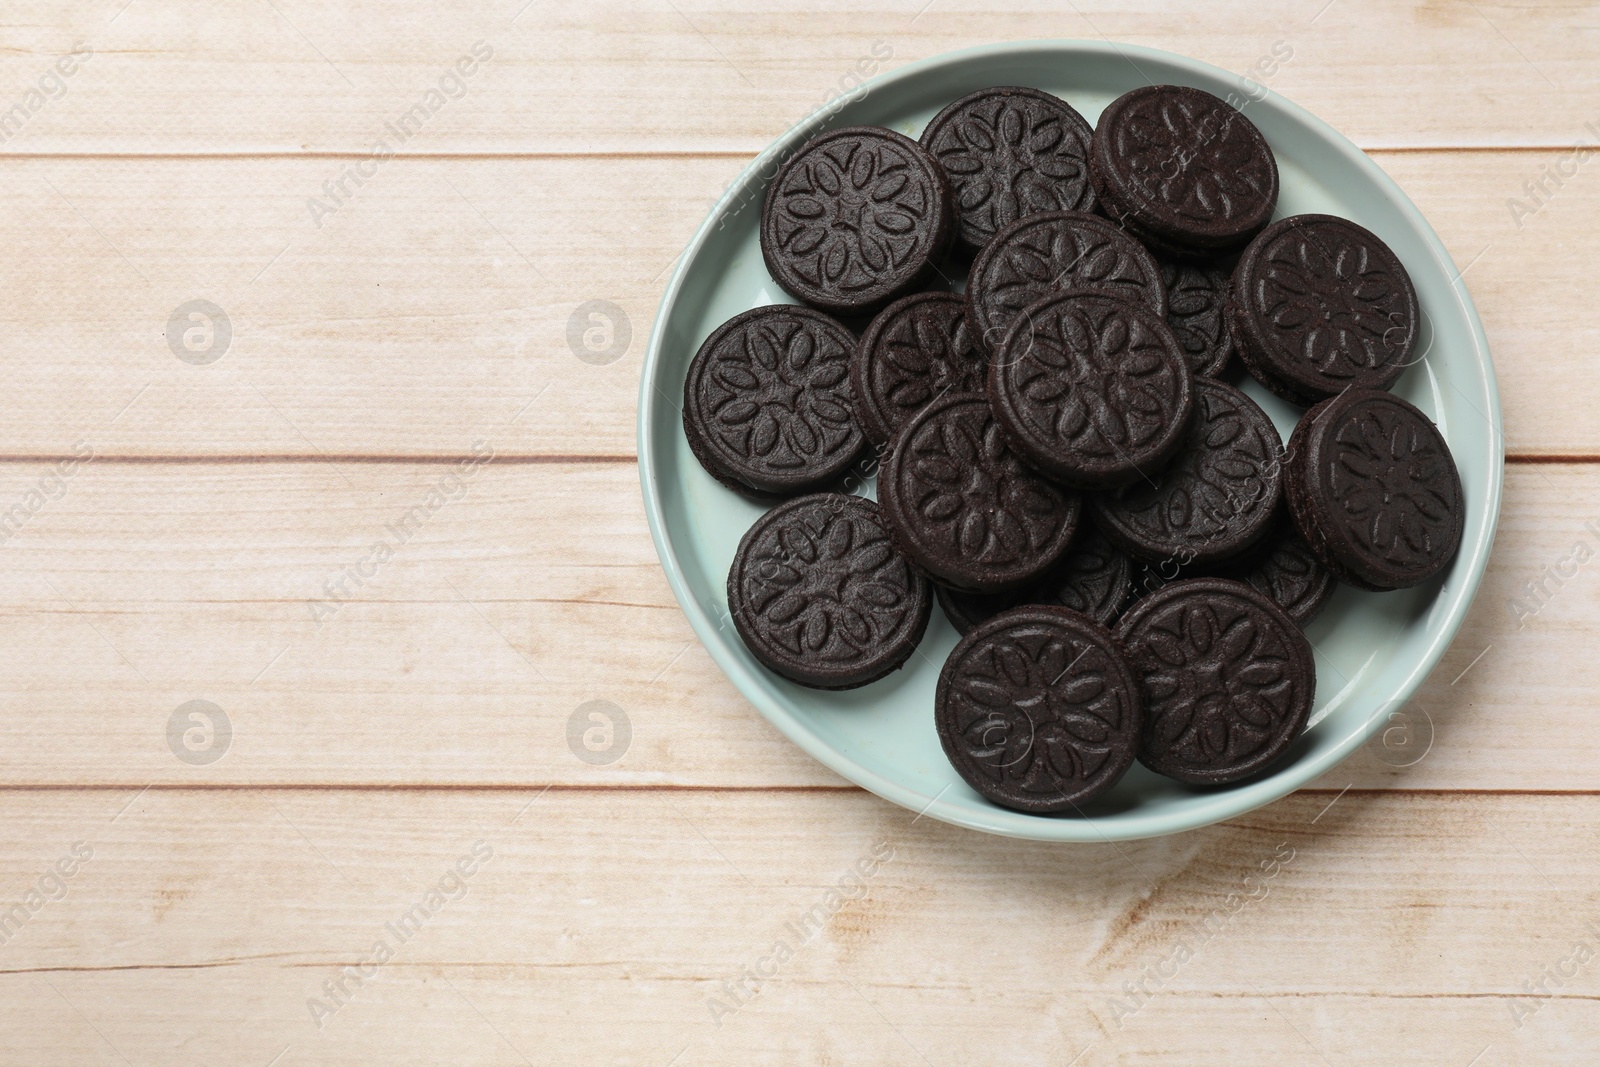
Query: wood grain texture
column 459, row 660
column 1405, row 910
column 435, row 304
column 600, row 928
column 295, row 76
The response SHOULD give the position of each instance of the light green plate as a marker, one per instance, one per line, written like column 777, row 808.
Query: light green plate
column 1373, row 649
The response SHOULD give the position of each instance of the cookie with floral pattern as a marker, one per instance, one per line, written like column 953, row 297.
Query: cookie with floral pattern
column 1183, row 170
column 857, row 217
column 1011, row 152
column 1211, row 503
column 915, row 350
column 1092, row 390
column 1226, row 676
column 1374, row 490
column 1041, row 255
column 1318, row 305
column 766, row 403
column 817, row 593
column 1284, row 568
column 1197, row 310
column 1038, row 709
column 964, row 508
column 1280, row 566
column 1095, row 578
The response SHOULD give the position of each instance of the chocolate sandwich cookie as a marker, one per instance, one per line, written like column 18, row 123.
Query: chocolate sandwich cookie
column 1227, row 679
column 1092, row 390
column 855, row 218
column 1279, row 565
column 1038, row 710
column 1183, row 170
column 1149, row 577
column 1197, row 311
column 1215, row 499
column 1374, row 490
column 962, row 507
column 1054, row 252
column 766, row 403
column 818, row 595
column 1094, row 579
column 916, row 350
column 1010, row 152
column 967, row 610
column 1286, row 571
column 1318, row 305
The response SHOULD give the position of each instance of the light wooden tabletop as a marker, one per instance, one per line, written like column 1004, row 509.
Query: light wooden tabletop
column 246, row 346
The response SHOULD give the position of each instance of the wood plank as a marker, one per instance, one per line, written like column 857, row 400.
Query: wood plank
column 601, row 928
column 611, row 76
column 461, row 659
column 436, row 303
column 622, row 903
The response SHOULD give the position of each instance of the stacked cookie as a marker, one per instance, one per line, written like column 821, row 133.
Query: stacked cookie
column 1036, row 327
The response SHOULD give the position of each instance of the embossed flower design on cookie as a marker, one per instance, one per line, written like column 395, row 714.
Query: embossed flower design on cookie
column 1319, row 304
column 766, row 405
column 977, row 496
column 1289, row 575
column 786, row 394
column 1092, row 390
column 838, row 590
column 1094, row 579
column 1012, row 155
column 1336, row 302
column 1020, row 151
column 1293, row 571
column 1040, row 255
column 964, row 508
column 916, row 350
column 855, row 218
column 1183, row 170
column 934, row 356
column 1228, row 679
column 1216, row 692
column 1092, row 373
column 1062, row 259
column 1197, row 296
column 1389, row 477
column 1038, row 709
column 1374, row 490
column 849, row 214
column 1032, row 721
column 1225, row 483
column 1216, row 498
column 1194, row 159
column 818, row 595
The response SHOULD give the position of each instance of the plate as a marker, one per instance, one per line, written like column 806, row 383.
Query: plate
column 1372, row 649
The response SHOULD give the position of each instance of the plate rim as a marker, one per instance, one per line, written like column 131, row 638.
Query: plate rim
column 1206, row 811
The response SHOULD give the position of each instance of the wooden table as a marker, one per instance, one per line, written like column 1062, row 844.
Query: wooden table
column 386, row 752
